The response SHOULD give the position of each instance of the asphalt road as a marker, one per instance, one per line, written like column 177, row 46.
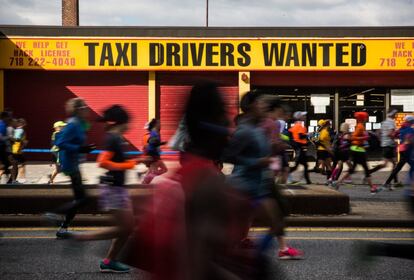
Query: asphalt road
column 35, row 254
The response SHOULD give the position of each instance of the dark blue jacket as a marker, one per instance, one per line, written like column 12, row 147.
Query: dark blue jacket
column 69, row 141
column 247, row 146
column 405, row 131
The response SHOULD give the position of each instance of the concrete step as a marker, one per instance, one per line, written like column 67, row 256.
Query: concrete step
column 36, row 199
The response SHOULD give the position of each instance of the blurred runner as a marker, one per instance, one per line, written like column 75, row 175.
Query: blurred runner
column 114, row 197
column 194, row 221
column 71, row 142
column 274, row 112
column 324, row 149
column 57, row 126
column 359, row 155
column 405, row 132
column 388, row 143
column 342, row 152
column 300, row 142
column 152, row 148
column 250, row 151
column 19, row 143
column 4, row 142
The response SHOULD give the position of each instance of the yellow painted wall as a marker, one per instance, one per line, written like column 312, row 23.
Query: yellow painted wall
column 152, row 103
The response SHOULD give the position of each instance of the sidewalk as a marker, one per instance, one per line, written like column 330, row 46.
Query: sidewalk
column 37, row 173
column 387, row 209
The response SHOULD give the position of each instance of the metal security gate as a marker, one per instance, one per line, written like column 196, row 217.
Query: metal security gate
column 174, row 88
column 39, row 97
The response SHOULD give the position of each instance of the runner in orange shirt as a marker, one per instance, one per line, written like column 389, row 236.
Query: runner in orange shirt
column 358, row 152
column 299, row 135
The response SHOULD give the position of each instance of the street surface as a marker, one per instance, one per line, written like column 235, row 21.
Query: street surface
column 34, row 253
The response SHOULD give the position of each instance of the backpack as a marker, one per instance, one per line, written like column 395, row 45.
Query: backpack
column 336, row 141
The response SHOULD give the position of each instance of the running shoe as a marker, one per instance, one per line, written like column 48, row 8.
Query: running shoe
column 53, row 218
column 398, row 185
column 63, row 233
column 294, row 183
column 335, row 185
column 290, row 254
column 348, row 181
column 114, row 267
column 387, row 187
column 375, row 190
column 14, row 183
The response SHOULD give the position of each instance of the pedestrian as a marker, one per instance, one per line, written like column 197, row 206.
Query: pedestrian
column 314, row 140
column 9, row 159
column 152, row 148
column 19, row 143
column 284, row 136
column 324, row 149
column 300, row 142
column 341, row 148
column 71, row 143
column 4, row 139
column 275, row 111
column 388, row 143
column 57, row 127
column 404, row 133
column 250, row 151
column 358, row 151
column 194, row 222
column 114, row 197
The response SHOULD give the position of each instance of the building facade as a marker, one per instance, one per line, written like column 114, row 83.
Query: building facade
column 329, row 72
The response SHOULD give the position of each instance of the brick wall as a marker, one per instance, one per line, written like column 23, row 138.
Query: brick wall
column 70, row 12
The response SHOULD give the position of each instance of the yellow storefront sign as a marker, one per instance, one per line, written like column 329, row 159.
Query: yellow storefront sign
column 63, row 53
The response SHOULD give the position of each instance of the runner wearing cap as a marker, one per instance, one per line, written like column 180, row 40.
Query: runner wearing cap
column 324, row 150
column 358, row 152
column 57, row 126
column 406, row 131
column 299, row 135
column 19, row 143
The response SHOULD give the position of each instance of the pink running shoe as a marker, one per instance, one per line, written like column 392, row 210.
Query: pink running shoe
column 375, row 189
column 290, row 254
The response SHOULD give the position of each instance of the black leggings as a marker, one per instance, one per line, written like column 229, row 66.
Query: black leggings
column 359, row 158
column 301, row 159
column 7, row 160
column 70, row 209
column 398, row 167
column 4, row 159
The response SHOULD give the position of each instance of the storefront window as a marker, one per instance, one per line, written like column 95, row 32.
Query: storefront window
column 371, row 100
column 303, row 99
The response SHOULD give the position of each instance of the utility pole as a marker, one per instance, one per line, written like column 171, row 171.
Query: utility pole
column 206, row 13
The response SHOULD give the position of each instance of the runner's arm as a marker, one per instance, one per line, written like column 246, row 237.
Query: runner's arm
column 104, row 161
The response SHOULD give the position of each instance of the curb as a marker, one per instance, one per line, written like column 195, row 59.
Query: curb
column 37, row 199
column 104, row 220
